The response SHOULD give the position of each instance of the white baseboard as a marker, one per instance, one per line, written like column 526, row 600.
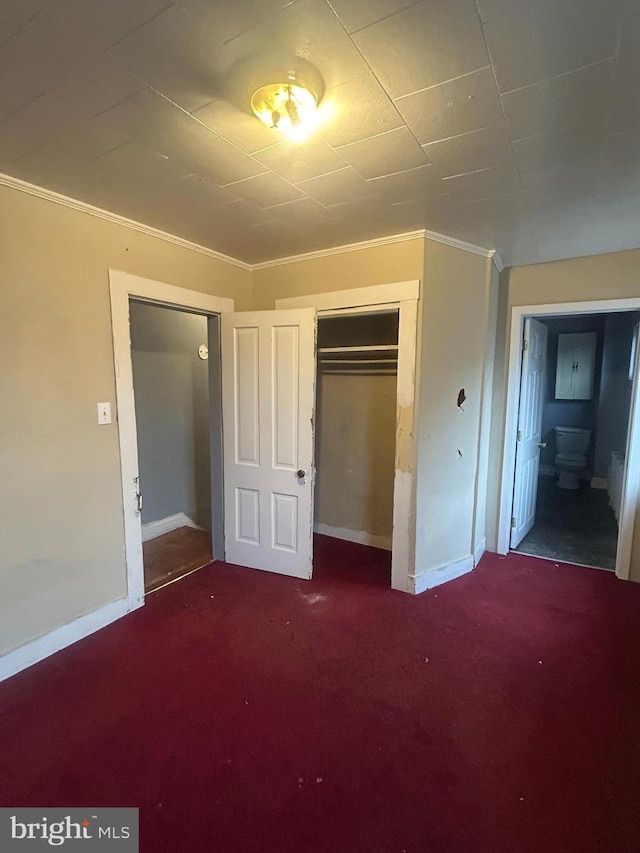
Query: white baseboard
column 599, row 483
column 481, row 547
column 362, row 537
column 443, row 575
column 165, row 525
column 39, row 649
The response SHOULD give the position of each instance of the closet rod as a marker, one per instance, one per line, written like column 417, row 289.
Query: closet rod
column 385, row 348
column 382, row 372
column 358, row 361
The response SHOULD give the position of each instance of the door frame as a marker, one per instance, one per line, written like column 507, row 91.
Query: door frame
column 631, row 486
column 403, row 297
column 123, row 287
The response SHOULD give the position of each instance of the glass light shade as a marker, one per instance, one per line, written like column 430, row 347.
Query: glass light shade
column 289, row 106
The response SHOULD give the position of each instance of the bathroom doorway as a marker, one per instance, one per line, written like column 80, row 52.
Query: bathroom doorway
column 573, row 419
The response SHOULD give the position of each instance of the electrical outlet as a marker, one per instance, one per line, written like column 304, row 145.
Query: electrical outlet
column 104, row 413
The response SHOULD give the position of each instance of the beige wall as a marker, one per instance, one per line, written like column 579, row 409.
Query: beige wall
column 359, row 268
column 61, row 524
column 355, row 452
column 455, row 316
column 610, row 276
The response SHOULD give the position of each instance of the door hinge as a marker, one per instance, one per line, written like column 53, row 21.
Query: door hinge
column 136, row 481
column 525, row 345
column 519, row 436
column 513, row 521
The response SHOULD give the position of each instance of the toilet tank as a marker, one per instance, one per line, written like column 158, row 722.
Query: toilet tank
column 572, row 439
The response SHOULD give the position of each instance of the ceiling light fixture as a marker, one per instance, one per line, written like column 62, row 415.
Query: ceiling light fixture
column 288, row 105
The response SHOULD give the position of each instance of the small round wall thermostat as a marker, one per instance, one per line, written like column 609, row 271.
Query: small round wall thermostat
column 203, row 352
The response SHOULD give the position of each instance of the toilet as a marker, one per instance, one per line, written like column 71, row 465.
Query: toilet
column 572, row 444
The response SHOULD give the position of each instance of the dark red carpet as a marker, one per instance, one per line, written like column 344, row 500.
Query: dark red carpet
column 243, row 712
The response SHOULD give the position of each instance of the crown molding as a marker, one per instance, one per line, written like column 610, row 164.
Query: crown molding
column 83, row 207
column 339, row 250
column 497, row 260
column 109, row 216
column 459, row 244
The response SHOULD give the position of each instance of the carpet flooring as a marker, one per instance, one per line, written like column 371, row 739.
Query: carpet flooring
column 245, row 712
column 574, row 526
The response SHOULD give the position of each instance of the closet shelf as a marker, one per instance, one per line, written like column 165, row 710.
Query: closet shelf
column 364, row 350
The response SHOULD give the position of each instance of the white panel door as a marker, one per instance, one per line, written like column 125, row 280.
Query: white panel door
column 525, row 489
column 268, row 396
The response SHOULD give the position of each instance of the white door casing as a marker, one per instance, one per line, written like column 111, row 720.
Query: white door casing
column 124, row 286
column 525, row 489
column 268, row 394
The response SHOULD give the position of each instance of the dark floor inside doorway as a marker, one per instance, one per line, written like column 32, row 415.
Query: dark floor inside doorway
column 173, row 555
column 572, row 526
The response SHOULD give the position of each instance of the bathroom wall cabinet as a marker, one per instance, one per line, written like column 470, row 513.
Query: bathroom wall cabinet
column 575, row 366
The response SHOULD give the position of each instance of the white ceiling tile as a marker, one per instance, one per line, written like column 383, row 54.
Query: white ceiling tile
column 39, row 124
column 266, row 190
column 307, row 30
column 355, row 14
column 578, row 142
column 171, row 131
column 300, row 161
column 459, row 106
column 302, row 213
column 486, row 183
column 243, row 212
column 425, row 44
column 571, row 232
column 529, row 42
column 337, row 187
column 240, row 127
column 413, row 184
column 177, row 57
column 624, row 109
column 386, row 154
column 17, row 14
column 202, row 195
column 572, row 98
column 227, row 20
column 569, row 182
column 469, row 152
column 356, row 110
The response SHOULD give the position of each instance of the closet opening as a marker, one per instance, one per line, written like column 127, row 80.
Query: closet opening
column 355, row 435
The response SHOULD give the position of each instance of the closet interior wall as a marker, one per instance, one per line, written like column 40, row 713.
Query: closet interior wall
column 355, row 426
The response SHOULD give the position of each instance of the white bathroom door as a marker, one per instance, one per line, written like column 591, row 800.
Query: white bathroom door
column 525, row 488
column 268, row 395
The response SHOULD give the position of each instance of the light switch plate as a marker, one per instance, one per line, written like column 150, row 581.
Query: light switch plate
column 104, row 413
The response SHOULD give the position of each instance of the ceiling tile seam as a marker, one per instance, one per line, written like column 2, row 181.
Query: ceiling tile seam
column 559, row 129
column 24, row 26
column 378, row 20
column 614, row 71
column 313, row 177
column 504, row 118
column 22, row 107
column 125, row 99
column 371, row 69
column 441, row 83
column 260, row 23
column 560, row 76
column 137, row 28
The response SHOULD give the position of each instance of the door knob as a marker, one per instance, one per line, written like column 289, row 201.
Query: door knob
column 301, row 474
column 542, row 444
